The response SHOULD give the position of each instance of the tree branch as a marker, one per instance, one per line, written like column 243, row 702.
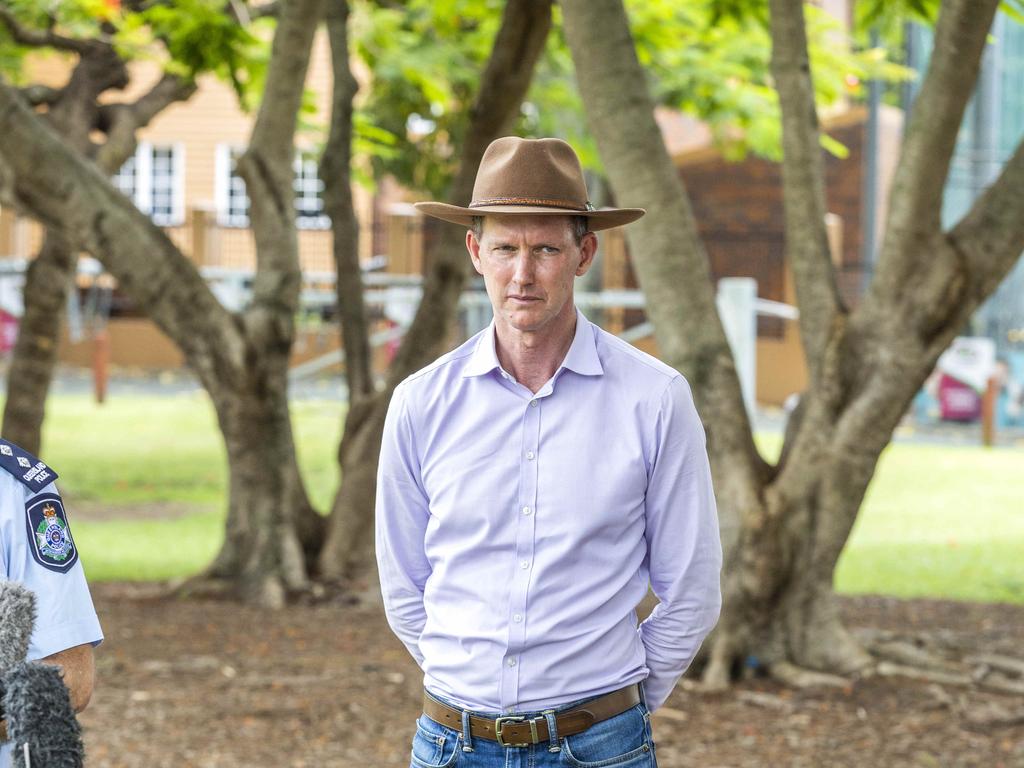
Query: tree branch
column 335, row 171
column 36, row 38
column 990, row 237
column 664, row 245
column 264, row 10
column 803, row 182
column 267, row 167
column 121, row 122
column 503, row 86
column 930, row 139
column 54, row 185
column 37, row 95
column 506, row 79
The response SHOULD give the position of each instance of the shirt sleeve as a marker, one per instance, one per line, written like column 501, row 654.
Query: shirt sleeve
column 402, row 513
column 684, row 550
column 65, row 616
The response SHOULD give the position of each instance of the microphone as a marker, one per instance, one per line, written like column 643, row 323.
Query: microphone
column 17, row 617
column 41, row 717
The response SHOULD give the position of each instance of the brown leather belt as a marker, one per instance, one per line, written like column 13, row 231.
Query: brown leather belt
column 517, row 731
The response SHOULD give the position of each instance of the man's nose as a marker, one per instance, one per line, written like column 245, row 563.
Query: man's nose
column 523, row 268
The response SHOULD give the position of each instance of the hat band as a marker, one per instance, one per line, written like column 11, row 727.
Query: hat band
column 531, row 201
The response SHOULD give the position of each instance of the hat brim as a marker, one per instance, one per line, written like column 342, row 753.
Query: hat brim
column 604, row 218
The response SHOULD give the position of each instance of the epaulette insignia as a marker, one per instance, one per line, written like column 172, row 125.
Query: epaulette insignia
column 29, row 470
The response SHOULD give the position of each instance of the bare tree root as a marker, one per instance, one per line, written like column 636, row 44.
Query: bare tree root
column 717, row 673
column 1011, row 666
column 267, row 593
column 889, row 669
column 766, row 701
column 942, row 659
column 913, row 655
column 202, row 586
column 801, row 677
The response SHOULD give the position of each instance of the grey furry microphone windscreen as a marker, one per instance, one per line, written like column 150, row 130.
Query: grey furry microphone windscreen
column 17, row 617
column 33, row 697
column 40, row 715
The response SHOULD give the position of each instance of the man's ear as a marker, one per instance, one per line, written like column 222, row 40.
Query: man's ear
column 588, row 248
column 473, row 246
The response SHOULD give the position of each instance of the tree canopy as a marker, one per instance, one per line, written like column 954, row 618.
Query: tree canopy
column 701, row 57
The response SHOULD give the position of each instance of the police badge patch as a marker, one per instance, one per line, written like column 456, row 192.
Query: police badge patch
column 51, row 542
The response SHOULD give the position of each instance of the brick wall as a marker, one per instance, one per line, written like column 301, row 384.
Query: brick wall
column 739, row 211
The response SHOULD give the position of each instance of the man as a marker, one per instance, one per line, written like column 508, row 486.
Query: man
column 531, row 484
column 37, row 550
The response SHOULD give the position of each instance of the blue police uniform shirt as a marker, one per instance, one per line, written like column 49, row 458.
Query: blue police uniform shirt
column 37, row 549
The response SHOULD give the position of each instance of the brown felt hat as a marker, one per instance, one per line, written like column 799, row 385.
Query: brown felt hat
column 531, row 177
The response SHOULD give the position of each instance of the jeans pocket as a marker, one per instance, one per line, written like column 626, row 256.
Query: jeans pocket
column 622, row 741
column 434, row 746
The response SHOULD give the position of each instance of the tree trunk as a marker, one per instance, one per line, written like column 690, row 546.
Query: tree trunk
column 51, row 273
column 262, row 555
column 35, row 353
column 784, row 527
column 335, row 170
column 262, row 552
column 242, row 360
column 348, row 552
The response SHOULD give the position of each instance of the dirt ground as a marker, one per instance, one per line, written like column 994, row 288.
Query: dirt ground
column 213, row 684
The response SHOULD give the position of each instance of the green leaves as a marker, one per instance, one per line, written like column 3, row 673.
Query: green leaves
column 1013, row 9
column 202, row 36
column 425, row 59
column 189, row 37
column 711, row 59
column 707, row 58
column 72, row 18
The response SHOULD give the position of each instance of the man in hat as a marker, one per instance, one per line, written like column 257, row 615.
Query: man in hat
column 532, row 484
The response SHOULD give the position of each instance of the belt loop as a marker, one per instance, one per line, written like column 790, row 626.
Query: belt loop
column 553, row 746
column 643, row 696
column 467, row 737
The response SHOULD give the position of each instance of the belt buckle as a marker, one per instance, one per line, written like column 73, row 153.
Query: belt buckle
column 511, row 719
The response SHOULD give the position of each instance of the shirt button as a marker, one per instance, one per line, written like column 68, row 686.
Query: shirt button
column 527, row 511
column 530, row 455
column 511, row 662
column 524, row 564
column 533, row 403
column 517, row 618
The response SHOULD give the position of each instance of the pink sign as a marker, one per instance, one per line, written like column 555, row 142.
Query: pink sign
column 957, row 401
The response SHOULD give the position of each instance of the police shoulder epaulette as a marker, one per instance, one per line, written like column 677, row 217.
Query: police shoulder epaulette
column 25, row 467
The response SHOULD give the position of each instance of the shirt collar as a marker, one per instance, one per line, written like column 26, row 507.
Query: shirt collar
column 485, row 357
column 582, row 357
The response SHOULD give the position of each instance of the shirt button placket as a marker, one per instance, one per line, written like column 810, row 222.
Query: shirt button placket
column 525, row 555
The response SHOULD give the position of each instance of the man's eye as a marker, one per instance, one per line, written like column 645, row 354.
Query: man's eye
column 549, row 250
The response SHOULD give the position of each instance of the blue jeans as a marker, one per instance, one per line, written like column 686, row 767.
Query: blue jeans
column 623, row 741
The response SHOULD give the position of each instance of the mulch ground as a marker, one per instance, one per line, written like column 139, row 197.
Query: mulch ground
column 213, row 684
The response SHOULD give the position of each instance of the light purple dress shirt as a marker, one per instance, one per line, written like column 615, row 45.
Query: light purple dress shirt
column 517, row 532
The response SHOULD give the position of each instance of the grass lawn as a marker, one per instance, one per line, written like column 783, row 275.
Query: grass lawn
column 940, row 522
column 149, row 476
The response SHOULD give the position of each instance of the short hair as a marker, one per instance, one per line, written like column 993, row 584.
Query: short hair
column 579, row 225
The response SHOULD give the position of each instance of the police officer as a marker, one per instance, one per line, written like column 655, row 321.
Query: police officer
column 38, row 551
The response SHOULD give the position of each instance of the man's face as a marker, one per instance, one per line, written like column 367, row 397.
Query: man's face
column 529, row 264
